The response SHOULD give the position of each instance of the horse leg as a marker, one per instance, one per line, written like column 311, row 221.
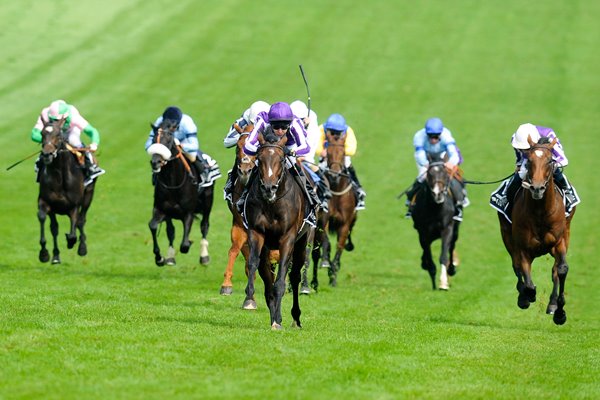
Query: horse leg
column 305, row 288
column 54, row 230
column 170, row 260
column 427, row 259
column 204, row 224
column 285, row 249
column 525, row 286
column 560, row 316
column 326, row 246
column 157, row 218
column 238, row 239
column 316, row 255
column 297, row 266
column 454, row 260
column 87, row 201
column 553, row 302
column 255, row 242
column 266, row 273
column 44, row 256
column 71, row 236
column 445, row 256
column 187, row 227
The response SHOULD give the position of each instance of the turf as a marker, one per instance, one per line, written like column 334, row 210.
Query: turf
column 113, row 325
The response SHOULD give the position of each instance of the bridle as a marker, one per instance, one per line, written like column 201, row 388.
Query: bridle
column 282, row 161
column 163, row 162
column 438, row 181
column 527, row 183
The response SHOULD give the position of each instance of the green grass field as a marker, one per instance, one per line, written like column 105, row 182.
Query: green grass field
column 113, row 325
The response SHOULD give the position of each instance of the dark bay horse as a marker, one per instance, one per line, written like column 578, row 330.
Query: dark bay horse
column 176, row 195
column 239, row 237
column 342, row 214
column 539, row 227
column 274, row 211
column 61, row 190
column 432, row 216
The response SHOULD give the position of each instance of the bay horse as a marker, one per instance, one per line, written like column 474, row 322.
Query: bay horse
column 432, row 216
column 176, row 195
column 539, row 227
column 239, row 236
column 62, row 191
column 342, row 214
column 274, row 212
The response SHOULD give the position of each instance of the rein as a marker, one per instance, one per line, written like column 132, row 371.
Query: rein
column 179, row 156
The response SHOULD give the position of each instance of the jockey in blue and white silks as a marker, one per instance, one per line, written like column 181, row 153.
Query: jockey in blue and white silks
column 436, row 138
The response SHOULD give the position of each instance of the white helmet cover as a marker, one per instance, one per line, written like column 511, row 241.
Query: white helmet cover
column 299, row 109
column 256, row 108
column 519, row 140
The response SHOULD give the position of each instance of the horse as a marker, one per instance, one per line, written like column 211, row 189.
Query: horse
column 539, row 226
column 432, row 216
column 62, row 191
column 176, row 195
column 342, row 214
column 274, row 212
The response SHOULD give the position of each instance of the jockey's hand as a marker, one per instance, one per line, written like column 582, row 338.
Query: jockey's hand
column 177, row 142
column 451, row 167
column 324, row 153
column 289, row 152
column 93, row 147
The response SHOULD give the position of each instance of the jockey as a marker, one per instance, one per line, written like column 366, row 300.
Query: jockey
column 520, row 143
column 281, row 119
column 73, row 126
column 436, row 138
column 242, row 124
column 186, row 133
column 311, row 125
column 336, row 124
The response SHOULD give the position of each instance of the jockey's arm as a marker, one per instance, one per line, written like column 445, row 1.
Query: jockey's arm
column 92, row 133
column 350, row 143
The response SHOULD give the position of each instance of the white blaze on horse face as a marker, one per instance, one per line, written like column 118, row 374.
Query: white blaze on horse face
column 270, row 172
column 49, row 129
column 539, row 153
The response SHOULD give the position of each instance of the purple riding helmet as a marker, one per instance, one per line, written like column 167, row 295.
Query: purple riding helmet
column 281, row 111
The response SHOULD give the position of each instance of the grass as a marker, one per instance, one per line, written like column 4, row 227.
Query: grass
column 112, row 325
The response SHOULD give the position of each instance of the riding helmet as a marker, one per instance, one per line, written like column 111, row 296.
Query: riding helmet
column 280, row 111
column 434, row 126
column 336, row 122
column 173, row 113
column 519, row 139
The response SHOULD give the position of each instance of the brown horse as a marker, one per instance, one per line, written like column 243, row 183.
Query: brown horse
column 176, row 195
column 342, row 213
column 274, row 211
column 539, row 227
column 61, row 190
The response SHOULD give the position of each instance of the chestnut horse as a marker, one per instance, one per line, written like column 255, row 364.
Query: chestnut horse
column 342, row 214
column 61, row 190
column 539, row 227
column 274, row 212
column 432, row 216
column 176, row 195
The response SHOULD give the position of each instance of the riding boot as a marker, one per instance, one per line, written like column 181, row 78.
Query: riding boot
column 313, row 199
column 92, row 170
column 411, row 197
column 239, row 205
column 231, row 178
column 561, row 181
column 324, row 195
column 360, row 193
column 511, row 191
column 459, row 198
column 202, row 169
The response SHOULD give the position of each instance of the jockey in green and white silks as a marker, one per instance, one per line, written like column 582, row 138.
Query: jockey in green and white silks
column 72, row 128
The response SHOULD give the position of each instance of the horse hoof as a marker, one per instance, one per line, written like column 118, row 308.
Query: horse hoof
column 204, row 260
column 523, row 303
column 559, row 317
column 170, row 262
column 349, row 246
column 305, row 290
column 160, row 262
column 451, row 270
column 56, row 260
column 325, row 264
column 296, row 325
column 226, row 290
column 82, row 251
column 333, row 283
column 444, row 287
column 249, row 305
column 275, row 326
column 44, row 256
column 184, row 249
column 551, row 309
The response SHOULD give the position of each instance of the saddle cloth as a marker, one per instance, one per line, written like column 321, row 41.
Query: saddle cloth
column 213, row 174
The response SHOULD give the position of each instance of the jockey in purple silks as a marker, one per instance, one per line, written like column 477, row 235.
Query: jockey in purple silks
column 283, row 122
column 520, row 143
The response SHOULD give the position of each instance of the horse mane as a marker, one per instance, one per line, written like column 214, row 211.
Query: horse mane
column 544, row 140
column 270, row 136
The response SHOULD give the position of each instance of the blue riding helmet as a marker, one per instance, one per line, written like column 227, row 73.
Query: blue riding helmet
column 336, row 122
column 434, row 126
column 173, row 113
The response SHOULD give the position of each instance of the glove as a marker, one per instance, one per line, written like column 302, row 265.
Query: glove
column 93, row 147
column 177, row 142
column 288, row 152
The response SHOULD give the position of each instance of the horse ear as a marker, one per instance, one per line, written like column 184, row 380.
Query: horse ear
column 531, row 142
column 282, row 141
column 554, row 141
column 261, row 138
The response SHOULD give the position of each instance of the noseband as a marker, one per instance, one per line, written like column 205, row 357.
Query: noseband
column 527, row 183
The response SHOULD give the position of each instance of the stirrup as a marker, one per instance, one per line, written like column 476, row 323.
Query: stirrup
column 360, row 205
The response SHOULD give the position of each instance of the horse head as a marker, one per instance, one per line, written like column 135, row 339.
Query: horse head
column 271, row 160
column 244, row 162
column 53, row 140
column 336, row 152
column 164, row 146
column 540, row 166
column 437, row 179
